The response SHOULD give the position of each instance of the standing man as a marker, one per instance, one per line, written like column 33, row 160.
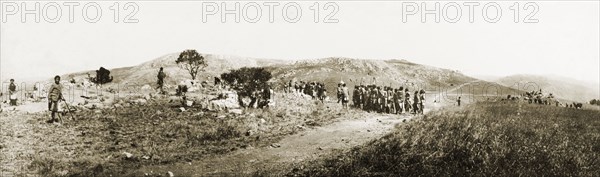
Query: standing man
column 54, row 96
column 345, row 96
column 397, row 101
column 390, row 103
column 217, row 82
column 416, row 103
column 421, row 101
column 356, row 97
column 322, row 92
column 161, row 76
column 367, row 103
column 374, row 98
column 458, row 101
column 363, row 97
column 289, row 90
column 12, row 89
column 339, row 92
column 265, row 97
column 407, row 105
column 380, row 99
column 401, row 100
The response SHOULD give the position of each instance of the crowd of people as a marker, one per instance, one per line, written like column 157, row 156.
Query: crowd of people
column 382, row 99
column 316, row 90
column 259, row 98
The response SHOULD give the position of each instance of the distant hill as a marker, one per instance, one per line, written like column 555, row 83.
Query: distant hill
column 145, row 73
column 330, row 71
column 562, row 87
column 393, row 73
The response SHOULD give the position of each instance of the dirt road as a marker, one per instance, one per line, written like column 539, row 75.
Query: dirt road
column 291, row 150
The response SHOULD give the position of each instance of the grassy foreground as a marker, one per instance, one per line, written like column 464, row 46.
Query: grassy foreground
column 483, row 139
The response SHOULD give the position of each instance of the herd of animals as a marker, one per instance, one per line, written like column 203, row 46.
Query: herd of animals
column 538, row 97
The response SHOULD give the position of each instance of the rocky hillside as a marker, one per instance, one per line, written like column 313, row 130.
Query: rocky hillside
column 393, row 73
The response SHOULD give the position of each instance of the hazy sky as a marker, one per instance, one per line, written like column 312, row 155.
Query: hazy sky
column 564, row 42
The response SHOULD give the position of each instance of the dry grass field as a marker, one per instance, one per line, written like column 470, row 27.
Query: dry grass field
column 482, row 139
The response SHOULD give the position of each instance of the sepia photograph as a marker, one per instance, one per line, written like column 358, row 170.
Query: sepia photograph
column 187, row 88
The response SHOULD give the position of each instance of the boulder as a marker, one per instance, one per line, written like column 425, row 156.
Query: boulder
column 192, row 85
column 229, row 101
column 146, row 87
column 174, row 99
column 139, row 101
column 235, row 111
column 94, row 106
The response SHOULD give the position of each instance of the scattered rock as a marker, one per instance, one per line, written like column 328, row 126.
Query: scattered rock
column 263, row 121
column 189, row 103
column 275, row 145
column 146, row 87
column 145, row 157
column 174, row 99
column 128, row 155
column 319, row 148
column 247, row 146
column 170, row 174
column 368, row 130
column 301, row 127
column 235, row 111
column 181, row 109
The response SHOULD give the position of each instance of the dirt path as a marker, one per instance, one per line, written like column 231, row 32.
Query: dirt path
column 293, row 149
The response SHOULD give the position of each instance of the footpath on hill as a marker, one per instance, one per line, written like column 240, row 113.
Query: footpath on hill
column 282, row 156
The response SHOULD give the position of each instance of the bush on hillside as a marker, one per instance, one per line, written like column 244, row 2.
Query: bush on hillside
column 246, row 80
column 102, row 76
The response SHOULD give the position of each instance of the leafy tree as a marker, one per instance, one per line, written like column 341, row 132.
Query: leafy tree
column 595, row 102
column 102, row 76
column 191, row 61
column 246, row 80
